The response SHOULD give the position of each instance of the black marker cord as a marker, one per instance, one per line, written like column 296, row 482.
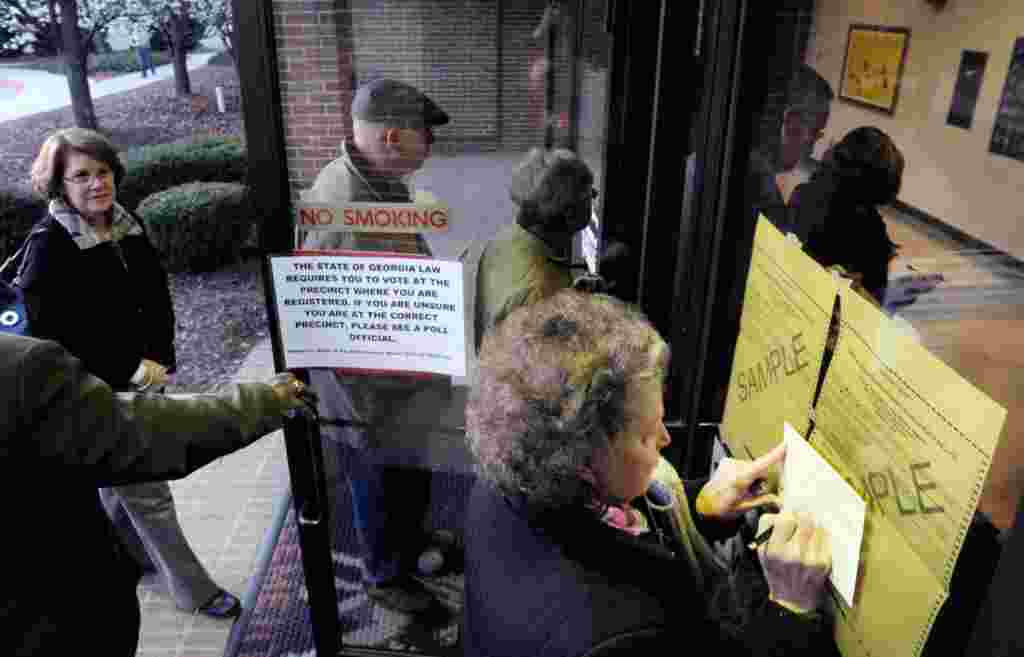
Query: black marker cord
column 831, row 340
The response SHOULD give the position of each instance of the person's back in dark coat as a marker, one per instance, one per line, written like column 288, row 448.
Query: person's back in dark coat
column 836, row 212
column 70, row 587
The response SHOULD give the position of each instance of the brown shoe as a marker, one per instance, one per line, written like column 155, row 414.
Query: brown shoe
column 405, row 595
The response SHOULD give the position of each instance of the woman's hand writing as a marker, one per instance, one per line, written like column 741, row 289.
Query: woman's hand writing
column 796, row 559
column 155, row 374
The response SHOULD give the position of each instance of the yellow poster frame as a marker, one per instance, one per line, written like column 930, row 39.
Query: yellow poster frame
column 873, row 65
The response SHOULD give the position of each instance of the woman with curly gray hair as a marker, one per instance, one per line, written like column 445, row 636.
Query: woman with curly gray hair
column 567, row 556
column 529, row 260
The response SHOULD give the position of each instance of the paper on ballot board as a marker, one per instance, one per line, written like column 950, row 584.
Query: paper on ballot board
column 810, row 484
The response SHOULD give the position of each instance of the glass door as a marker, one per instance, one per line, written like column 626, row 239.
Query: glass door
column 384, row 479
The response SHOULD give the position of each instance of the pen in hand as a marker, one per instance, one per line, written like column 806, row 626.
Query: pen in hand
column 760, row 539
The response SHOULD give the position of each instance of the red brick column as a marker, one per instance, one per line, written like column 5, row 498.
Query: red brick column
column 315, row 68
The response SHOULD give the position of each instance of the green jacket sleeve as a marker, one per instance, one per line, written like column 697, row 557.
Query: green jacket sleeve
column 73, row 425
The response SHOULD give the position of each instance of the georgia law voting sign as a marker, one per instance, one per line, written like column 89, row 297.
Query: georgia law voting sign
column 374, row 312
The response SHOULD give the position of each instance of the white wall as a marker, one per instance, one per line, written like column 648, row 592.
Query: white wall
column 950, row 172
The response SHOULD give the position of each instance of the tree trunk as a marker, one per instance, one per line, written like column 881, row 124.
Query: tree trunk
column 74, row 66
column 52, row 30
column 229, row 35
column 229, row 45
column 179, row 24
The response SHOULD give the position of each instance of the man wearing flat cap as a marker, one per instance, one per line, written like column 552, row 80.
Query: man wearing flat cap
column 393, row 129
column 392, row 135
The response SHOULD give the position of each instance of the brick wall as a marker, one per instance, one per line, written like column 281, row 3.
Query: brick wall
column 314, row 50
column 446, row 48
column 471, row 56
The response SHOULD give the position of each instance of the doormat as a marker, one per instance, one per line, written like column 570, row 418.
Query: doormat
column 277, row 622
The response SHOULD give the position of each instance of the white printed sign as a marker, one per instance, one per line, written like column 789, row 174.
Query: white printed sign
column 811, row 484
column 371, row 312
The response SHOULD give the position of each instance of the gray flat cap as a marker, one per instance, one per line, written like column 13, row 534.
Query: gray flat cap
column 396, row 103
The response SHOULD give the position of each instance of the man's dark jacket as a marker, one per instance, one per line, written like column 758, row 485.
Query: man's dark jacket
column 69, row 587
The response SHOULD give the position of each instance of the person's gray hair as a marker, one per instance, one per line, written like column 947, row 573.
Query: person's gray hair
column 547, row 185
column 554, row 388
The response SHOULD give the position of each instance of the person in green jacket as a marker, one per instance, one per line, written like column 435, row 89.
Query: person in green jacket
column 529, row 260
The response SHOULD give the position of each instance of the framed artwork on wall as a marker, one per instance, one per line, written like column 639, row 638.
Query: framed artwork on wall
column 968, row 86
column 873, row 66
column 1008, row 132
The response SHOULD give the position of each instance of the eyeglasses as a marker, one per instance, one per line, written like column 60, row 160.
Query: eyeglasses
column 85, row 178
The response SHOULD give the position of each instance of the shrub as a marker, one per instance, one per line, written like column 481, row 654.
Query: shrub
column 123, row 61
column 151, row 169
column 117, row 62
column 19, row 210
column 53, row 65
column 199, row 226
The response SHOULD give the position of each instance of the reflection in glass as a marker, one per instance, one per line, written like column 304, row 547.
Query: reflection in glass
column 915, row 212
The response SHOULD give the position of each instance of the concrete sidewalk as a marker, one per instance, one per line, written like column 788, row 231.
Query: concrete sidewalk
column 225, row 510
column 25, row 91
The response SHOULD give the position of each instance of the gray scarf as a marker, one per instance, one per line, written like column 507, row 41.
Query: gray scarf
column 83, row 234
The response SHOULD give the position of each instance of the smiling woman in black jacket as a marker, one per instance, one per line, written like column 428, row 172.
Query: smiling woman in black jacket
column 96, row 286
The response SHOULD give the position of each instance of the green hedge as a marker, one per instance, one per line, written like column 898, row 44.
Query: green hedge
column 151, row 169
column 199, row 226
column 19, row 209
column 123, row 61
column 116, row 62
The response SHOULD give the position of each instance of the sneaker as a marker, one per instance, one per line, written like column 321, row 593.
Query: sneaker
column 405, row 595
column 222, row 605
column 444, row 554
column 431, row 561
